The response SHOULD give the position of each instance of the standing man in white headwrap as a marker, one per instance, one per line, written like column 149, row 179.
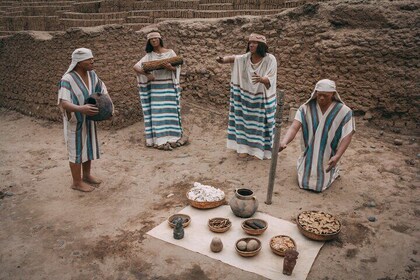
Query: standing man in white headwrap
column 252, row 99
column 327, row 128
column 77, row 84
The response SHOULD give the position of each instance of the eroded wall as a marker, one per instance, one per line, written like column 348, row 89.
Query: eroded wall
column 370, row 50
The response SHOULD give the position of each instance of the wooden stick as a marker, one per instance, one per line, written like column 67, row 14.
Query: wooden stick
column 276, row 145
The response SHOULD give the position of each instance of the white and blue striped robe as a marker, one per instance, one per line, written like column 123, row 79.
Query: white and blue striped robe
column 160, row 101
column 252, row 107
column 79, row 133
column 321, row 136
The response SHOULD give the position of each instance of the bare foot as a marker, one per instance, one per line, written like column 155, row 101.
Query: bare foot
column 242, row 155
column 182, row 141
column 83, row 187
column 92, row 180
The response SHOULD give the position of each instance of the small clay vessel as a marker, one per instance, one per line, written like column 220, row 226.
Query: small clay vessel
column 216, row 245
column 244, row 204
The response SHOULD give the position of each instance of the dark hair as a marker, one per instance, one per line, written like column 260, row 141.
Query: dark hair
column 262, row 49
column 149, row 47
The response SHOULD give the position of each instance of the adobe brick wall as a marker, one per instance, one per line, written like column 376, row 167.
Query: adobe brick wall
column 371, row 52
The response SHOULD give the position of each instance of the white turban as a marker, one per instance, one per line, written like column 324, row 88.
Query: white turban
column 152, row 35
column 325, row 85
column 79, row 55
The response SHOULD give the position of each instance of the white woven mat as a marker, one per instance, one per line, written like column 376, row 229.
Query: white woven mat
column 197, row 238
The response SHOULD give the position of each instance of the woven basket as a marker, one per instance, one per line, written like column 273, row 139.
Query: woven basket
column 280, row 252
column 252, row 231
column 186, row 220
column 248, row 253
column 205, row 204
column 158, row 64
column 219, row 230
column 317, row 236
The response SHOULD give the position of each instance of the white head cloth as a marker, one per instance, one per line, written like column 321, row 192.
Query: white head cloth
column 325, row 85
column 257, row 38
column 79, row 55
column 152, row 35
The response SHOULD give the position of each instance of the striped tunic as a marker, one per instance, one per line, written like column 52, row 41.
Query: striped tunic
column 160, row 101
column 79, row 133
column 321, row 135
column 252, row 107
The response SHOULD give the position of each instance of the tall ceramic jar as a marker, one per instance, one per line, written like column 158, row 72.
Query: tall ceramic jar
column 244, row 204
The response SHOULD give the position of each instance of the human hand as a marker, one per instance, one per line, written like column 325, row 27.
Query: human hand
column 282, row 146
column 89, row 109
column 219, row 59
column 256, row 78
column 150, row 77
column 332, row 163
column 168, row 66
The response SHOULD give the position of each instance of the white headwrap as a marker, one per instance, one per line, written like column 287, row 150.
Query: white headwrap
column 77, row 56
column 325, row 85
column 257, row 38
column 152, row 35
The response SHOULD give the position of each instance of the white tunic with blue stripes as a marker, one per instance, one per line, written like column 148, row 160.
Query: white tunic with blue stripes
column 321, row 135
column 79, row 133
column 252, row 106
column 160, row 101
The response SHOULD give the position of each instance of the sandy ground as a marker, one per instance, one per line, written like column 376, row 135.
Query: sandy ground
column 48, row 231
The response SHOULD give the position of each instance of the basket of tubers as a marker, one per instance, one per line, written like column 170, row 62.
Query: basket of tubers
column 248, row 246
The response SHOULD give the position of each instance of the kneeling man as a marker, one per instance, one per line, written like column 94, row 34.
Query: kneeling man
column 327, row 128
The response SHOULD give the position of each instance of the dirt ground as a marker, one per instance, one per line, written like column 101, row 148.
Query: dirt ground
column 49, row 231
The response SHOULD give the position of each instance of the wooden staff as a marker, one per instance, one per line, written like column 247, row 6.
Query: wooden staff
column 276, row 145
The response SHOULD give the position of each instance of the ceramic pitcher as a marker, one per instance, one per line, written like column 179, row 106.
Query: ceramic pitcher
column 244, row 204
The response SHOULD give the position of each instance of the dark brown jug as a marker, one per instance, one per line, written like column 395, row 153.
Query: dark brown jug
column 104, row 104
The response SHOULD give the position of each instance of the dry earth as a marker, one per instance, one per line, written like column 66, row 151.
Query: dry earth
column 49, row 231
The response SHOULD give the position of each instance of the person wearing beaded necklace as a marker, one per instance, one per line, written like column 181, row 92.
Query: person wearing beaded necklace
column 252, row 99
column 160, row 97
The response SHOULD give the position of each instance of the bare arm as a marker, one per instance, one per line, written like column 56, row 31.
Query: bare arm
column 345, row 142
column 137, row 68
column 226, row 59
column 87, row 109
column 290, row 134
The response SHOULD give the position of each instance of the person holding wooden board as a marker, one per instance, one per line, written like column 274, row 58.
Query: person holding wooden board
column 160, row 95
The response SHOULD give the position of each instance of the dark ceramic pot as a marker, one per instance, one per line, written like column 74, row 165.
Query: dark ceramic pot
column 104, row 104
column 244, row 204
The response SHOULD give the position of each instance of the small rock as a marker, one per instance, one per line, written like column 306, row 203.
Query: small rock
column 372, row 219
column 381, row 132
column 183, row 156
column 368, row 116
column 398, row 142
column 9, row 193
column 418, row 155
column 410, row 161
column 169, row 195
column 373, row 146
column 371, row 204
